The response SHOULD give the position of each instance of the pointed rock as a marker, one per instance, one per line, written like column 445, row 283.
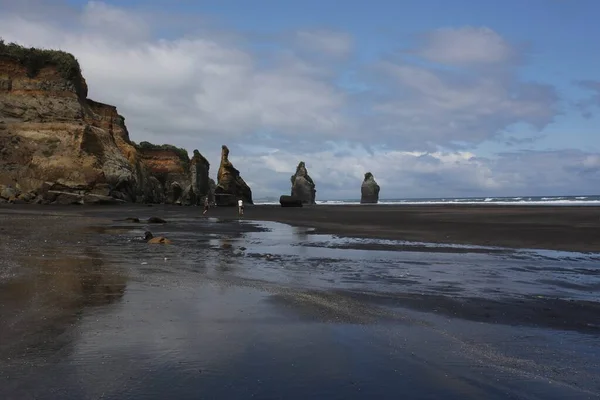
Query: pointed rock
column 200, row 187
column 230, row 185
column 303, row 187
column 369, row 189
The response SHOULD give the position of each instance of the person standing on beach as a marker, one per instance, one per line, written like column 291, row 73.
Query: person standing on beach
column 240, row 207
column 206, row 205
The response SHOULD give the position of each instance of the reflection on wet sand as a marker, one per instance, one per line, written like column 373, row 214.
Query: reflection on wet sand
column 39, row 306
column 240, row 310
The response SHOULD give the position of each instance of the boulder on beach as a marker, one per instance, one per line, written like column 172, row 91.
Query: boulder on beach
column 290, row 201
column 303, row 187
column 369, row 190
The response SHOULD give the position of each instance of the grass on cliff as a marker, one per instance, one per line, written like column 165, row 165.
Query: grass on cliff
column 35, row 59
column 181, row 153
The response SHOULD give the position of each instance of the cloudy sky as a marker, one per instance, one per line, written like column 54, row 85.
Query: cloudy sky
column 436, row 98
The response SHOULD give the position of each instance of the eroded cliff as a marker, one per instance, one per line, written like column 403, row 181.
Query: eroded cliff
column 58, row 146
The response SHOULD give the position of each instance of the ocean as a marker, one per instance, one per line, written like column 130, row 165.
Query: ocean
column 580, row 200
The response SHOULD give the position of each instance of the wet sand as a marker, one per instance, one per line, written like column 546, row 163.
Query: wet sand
column 239, row 308
column 543, row 227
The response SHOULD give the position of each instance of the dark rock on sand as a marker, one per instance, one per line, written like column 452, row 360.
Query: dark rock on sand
column 230, row 185
column 26, row 197
column 290, row 201
column 156, row 220
column 100, row 199
column 65, row 198
column 369, row 189
column 132, row 219
column 8, row 193
column 303, row 187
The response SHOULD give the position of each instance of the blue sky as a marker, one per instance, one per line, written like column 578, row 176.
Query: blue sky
column 436, row 98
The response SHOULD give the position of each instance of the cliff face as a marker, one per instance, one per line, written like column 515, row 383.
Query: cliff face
column 169, row 166
column 201, row 185
column 58, row 146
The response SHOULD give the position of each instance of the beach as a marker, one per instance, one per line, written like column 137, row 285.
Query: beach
column 348, row 302
column 544, row 227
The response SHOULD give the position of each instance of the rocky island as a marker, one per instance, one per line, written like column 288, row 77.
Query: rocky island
column 369, row 190
column 230, row 185
column 58, row 146
column 303, row 187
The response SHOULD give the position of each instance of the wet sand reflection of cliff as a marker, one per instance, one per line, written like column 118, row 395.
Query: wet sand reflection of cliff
column 40, row 308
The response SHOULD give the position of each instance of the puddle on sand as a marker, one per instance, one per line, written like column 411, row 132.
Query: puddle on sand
column 296, row 255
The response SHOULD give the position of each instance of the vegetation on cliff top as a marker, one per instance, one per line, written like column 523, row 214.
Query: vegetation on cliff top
column 180, row 152
column 35, row 59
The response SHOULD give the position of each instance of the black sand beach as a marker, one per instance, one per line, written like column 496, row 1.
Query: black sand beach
column 453, row 304
column 543, row 227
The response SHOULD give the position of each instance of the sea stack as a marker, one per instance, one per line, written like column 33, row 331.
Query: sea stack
column 369, row 190
column 303, row 187
column 230, row 185
column 200, row 184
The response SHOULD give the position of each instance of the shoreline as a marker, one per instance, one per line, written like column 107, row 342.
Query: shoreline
column 562, row 228
column 565, row 228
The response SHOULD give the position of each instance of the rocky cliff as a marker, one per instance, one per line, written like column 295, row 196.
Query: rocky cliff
column 230, row 185
column 201, row 185
column 303, row 187
column 369, row 190
column 58, row 146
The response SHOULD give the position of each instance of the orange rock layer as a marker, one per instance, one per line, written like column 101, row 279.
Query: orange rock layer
column 58, row 146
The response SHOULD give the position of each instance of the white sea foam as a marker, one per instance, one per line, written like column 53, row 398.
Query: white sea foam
column 519, row 201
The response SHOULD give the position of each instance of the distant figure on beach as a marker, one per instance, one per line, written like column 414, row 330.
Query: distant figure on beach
column 206, row 205
column 240, row 207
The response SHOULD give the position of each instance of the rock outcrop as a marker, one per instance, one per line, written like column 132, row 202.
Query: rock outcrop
column 58, row 146
column 369, row 190
column 200, row 182
column 290, row 201
column 230, row 185
column 171, row 168
column 303, row 187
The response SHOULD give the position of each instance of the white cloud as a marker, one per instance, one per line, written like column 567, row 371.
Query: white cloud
column 328, row 42
column 208, row 88
column 114, row 22
column 466, row 45
column 443, row 107
column 423, row 174
column 587, row 105
column 200, row 86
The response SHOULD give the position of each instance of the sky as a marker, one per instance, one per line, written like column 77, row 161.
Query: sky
column 436, row 98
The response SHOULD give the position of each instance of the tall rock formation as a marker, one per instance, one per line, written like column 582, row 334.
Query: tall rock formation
column 303, row 187
column 369, row 190
column 230, row 185
column 171, row 168
column 56, row 145
column 200, row 182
